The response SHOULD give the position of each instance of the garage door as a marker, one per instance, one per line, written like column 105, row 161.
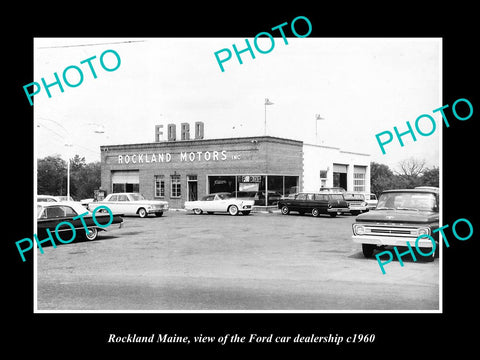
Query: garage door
column 125, row 181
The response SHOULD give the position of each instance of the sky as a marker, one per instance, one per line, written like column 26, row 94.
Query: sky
column 359, row 86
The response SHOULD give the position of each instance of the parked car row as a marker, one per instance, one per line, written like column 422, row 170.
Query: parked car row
column 399, row 217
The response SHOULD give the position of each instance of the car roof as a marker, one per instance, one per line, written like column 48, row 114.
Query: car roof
column 417, row 190
column 75, row 205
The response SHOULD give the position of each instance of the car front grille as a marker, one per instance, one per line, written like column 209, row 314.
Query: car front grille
column 390, row 231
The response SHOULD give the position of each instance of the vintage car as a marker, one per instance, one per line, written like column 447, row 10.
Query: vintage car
column 357, row 203
column 50, row 198
column 50, row 214
column 401, row 216
column 371, row 200
column 131, row 204
column 335, row 189
column 258, row 196
column 314, row 203
column 220, row 202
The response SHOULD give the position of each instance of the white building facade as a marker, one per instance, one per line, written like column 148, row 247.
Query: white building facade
column 326, row 166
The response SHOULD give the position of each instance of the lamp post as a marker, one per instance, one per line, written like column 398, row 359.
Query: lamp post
column 99, row 130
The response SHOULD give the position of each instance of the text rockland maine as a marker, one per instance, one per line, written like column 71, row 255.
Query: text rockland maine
column 235, row 338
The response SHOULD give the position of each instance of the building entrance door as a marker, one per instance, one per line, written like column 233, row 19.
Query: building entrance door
column 192, row 188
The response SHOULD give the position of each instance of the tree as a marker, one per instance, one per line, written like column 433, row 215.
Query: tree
column 431, row 177
column 412, row 173
column 381, row 178
column 51, row 175
column 87, row 179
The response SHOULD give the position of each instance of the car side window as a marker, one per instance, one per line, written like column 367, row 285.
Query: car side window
column 113, row 198
column 310, row 196
column 301, row 196
column 122, row 198
column 68, row 211
column 54, row 212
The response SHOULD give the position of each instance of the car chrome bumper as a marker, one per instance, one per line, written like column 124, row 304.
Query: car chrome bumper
column 358, row 208
column 392, row 241
column 337, row 210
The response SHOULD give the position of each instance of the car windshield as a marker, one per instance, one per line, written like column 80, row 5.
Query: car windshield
column 39, row 210
column 136, row 197
column 407, row 201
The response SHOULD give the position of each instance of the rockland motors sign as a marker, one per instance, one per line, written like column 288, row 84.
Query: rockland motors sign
column 167, row 157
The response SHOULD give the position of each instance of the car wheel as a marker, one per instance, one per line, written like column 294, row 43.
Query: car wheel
column 233, row 210
column 197, row 211
column 92, row 234
column 142, row 212
column 246, row 212
column 333, row 214
column 160, row 213
column 315, row 212
column 367, row 250
column 285, row 210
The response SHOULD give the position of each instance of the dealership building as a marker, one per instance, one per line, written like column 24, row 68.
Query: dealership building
column 188, row 169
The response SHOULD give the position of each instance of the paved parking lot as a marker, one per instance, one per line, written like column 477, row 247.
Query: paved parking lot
column 264, row 261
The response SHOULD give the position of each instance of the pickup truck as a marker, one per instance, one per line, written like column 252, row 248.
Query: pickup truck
column 401, row 216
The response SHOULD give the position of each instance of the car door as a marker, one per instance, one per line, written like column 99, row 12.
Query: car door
column 126, row 206
column 112, row 203
column 321, row 201
column 208, row 203
column 220, row 203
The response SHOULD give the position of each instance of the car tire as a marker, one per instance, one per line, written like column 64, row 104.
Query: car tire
column 233, row 210
column 142, row 212
column 92, row 234
column 285, row 210
column 159, row 213
column 315, row 212
column 197, row 211
column 368, row 249
column 246, row 212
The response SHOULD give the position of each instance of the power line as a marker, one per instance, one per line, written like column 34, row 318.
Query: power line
column 107, row 43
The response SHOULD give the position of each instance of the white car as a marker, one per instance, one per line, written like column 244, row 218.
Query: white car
column 131, row 204
column 220, row 202
column 50, row 198
column 371, row 200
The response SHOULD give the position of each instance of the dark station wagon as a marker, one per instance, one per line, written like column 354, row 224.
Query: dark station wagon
column 401, row 216
column 314, row 203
